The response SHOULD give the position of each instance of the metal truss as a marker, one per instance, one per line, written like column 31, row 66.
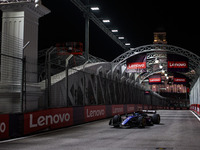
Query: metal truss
column 194, row 60
column 98, row 22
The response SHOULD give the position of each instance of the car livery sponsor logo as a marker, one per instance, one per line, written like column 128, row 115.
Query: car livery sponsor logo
column 117, row 109
column 53, row 118
column 177, row 64
column 94, row 113
column 4, row 126
column 137, row 65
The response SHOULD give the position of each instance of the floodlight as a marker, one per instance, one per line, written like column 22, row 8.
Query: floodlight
column 94, row 8
column 114, row 30
column 127, row 44
column 106, row 21
column 121, row 38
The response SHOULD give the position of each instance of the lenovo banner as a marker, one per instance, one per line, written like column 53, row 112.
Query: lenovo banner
column 117, row 109
column 52, row 118
column 139, row 107
column 94, row 112
column 155, row 79
column 4, row 126
column 179, row 80
column 177, row 63
column 131, row 108
column 136, row 64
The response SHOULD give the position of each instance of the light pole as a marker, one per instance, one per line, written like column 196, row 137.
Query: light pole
column 87, row 26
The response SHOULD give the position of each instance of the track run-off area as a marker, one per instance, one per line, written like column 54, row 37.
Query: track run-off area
column 178, row 130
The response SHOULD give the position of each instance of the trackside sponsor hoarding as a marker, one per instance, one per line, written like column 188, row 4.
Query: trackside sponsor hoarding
column 177, row 63
column 139, row 107
column 52, row 118
column 117, row 109
column 4, row 126
column 136, row 63
column 155, row 79
column 94, row 112
column 131, row 108
column 195, row 108
column 179, row 80
column 146, row 107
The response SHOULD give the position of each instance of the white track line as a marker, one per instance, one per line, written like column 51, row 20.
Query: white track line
column 195, row 115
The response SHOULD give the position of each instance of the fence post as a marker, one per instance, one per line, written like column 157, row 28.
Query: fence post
column 66, row 77
column 23, row 86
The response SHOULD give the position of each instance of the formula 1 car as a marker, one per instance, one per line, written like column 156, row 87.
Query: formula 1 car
column 137, row 119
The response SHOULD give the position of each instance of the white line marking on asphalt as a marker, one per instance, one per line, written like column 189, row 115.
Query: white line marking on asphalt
column 195, row 115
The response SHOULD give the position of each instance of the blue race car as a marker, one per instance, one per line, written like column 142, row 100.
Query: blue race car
column 137, row 119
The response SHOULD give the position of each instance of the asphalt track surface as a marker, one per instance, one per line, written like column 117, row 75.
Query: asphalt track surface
column 179, row 130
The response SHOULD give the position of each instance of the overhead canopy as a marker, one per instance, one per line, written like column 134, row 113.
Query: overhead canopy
column 160, row 50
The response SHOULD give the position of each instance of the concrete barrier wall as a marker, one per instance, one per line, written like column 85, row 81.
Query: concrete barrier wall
column 16, row 125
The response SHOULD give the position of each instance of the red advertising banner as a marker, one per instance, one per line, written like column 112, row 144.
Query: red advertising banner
column 154, row 80
column 177, row 64
column 139, row 107
column 198, row 109
column 136, row 65
column 150, row 107
column 117, row 109
column 52, row 118
column 179, row 80
column 131, row 108
column 94, row 112
column 4, row 126
column 146, row 107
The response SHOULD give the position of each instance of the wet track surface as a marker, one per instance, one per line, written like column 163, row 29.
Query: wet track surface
column 178, row 130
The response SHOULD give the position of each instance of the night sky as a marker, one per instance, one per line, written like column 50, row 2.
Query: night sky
column 135, row 20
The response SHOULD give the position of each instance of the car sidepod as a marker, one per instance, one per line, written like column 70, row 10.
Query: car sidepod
column 127, row 121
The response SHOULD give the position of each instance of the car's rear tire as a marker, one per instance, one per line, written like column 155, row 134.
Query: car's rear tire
column 156, row 119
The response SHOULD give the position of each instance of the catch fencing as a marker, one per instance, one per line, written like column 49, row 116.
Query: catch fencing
column 84, row 87
column 12, row 73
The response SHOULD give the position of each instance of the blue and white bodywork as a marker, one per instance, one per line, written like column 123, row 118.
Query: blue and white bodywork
column 126, row 120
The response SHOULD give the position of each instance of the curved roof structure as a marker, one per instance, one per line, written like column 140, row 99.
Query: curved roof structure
column 194, row 60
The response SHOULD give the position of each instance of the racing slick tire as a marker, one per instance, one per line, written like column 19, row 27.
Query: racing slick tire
column 156, row 119
column 141, row 122
column 116, row 121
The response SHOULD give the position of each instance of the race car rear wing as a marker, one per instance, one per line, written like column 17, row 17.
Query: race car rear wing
column 149, row 111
